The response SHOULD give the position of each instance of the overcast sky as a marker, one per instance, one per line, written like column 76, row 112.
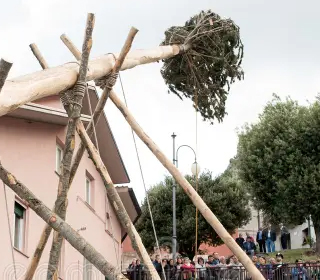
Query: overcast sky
column 281, row 55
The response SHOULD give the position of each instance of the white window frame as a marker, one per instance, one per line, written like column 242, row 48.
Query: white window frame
column 87, row 270
column 22, row 229
column 59, row 150
column 88, row 191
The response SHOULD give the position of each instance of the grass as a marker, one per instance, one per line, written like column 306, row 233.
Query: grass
column 290, row 256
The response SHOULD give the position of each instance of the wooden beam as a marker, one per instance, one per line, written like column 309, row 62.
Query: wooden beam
column 5, row 67
column 24, row 89
column 189, row 190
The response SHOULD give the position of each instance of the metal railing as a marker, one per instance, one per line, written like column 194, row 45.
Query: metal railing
column 228, row 272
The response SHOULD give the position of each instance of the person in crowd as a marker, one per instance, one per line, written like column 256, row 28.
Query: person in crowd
column 272, row 261
column 249, row 247
column 279, row 258
column 283, row 236
column 201, row 269
column 271, row 237
column 261, row 239
column 249, row 236
column 170, row 269
column 131, row 269
column 262, row 260
column 213, row 260
column 234, row 261
column 187, row 269
column 240, row 240
column 139, row 270
column 255, row 261
column 299, row 272
column 157, row 264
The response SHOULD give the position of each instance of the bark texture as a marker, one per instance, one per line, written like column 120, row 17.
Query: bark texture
column 39, row 56
column 24, row 89
column 5, row 67
column 110, row 82
column 75, row 239
column 74, row 109
column 190, row 191
column 117, row 203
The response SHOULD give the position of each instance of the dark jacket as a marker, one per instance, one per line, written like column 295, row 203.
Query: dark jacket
column 240, row 241
column 248, row 246
column 263, row 236
column 272, row 235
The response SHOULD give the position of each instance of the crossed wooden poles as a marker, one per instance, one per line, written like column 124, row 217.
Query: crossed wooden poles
column 70, row 82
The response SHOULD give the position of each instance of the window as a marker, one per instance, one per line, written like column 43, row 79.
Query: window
column 19, row 226
column 59, row 156
column 88, row 191
column 87, row 270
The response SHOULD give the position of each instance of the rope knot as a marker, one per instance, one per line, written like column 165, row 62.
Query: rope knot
column 108, row 81
column 79, row 89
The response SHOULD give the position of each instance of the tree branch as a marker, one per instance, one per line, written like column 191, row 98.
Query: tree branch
column 75, row 111
column 5, row 67
column 59, row 225
column 111, row 80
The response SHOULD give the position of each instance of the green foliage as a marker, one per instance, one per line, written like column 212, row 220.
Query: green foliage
column 279, row 160
column 224, row 195
column 205, row 71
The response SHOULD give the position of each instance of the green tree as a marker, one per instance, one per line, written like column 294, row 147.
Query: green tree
column 224, row 195
column 278, row 158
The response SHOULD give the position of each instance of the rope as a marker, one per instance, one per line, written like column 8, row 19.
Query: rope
column 12, row 251
column 112, row 233
column 94, row 127
column 143, row 181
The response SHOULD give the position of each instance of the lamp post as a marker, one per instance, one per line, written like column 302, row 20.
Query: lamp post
column 195, row 169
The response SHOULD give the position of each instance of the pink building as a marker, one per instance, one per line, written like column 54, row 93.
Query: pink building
column 31, row 146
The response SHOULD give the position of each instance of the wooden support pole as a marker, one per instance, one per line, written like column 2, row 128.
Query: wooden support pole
column 47, row 230
column 38, row 55
column 74, row 238
column 117, row 203
column 190, row 191
column 73, row 107
column 73, row 49
column 24, row 89
column 5, row 67
column 94, row 155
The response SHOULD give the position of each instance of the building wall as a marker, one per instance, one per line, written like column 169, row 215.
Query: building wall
column 28, row 150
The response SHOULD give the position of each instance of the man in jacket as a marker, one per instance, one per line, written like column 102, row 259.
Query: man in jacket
column 261, row 239
column 270, row 238
column 284, row 236
column 249, row 247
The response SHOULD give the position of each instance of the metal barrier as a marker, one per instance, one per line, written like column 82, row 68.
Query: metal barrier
column 228, row 272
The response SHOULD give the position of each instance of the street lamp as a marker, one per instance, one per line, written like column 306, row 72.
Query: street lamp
column 195, row 169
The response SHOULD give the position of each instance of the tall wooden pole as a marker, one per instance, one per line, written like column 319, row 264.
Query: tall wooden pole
column 73, row 107
column 94, row 155
column 190, row 191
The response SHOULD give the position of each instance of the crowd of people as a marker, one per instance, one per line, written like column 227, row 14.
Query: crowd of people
column 219, row 267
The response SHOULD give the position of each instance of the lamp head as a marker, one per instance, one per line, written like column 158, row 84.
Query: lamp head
column 195, row 169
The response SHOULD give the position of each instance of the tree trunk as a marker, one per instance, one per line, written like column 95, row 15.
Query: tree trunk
column 316, row 225
column 75, row 239
column 74, row 112
column 190, row 191
column 117, row 203
column 24, row 89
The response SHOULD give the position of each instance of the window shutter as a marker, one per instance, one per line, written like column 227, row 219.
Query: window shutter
column 18, row 210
